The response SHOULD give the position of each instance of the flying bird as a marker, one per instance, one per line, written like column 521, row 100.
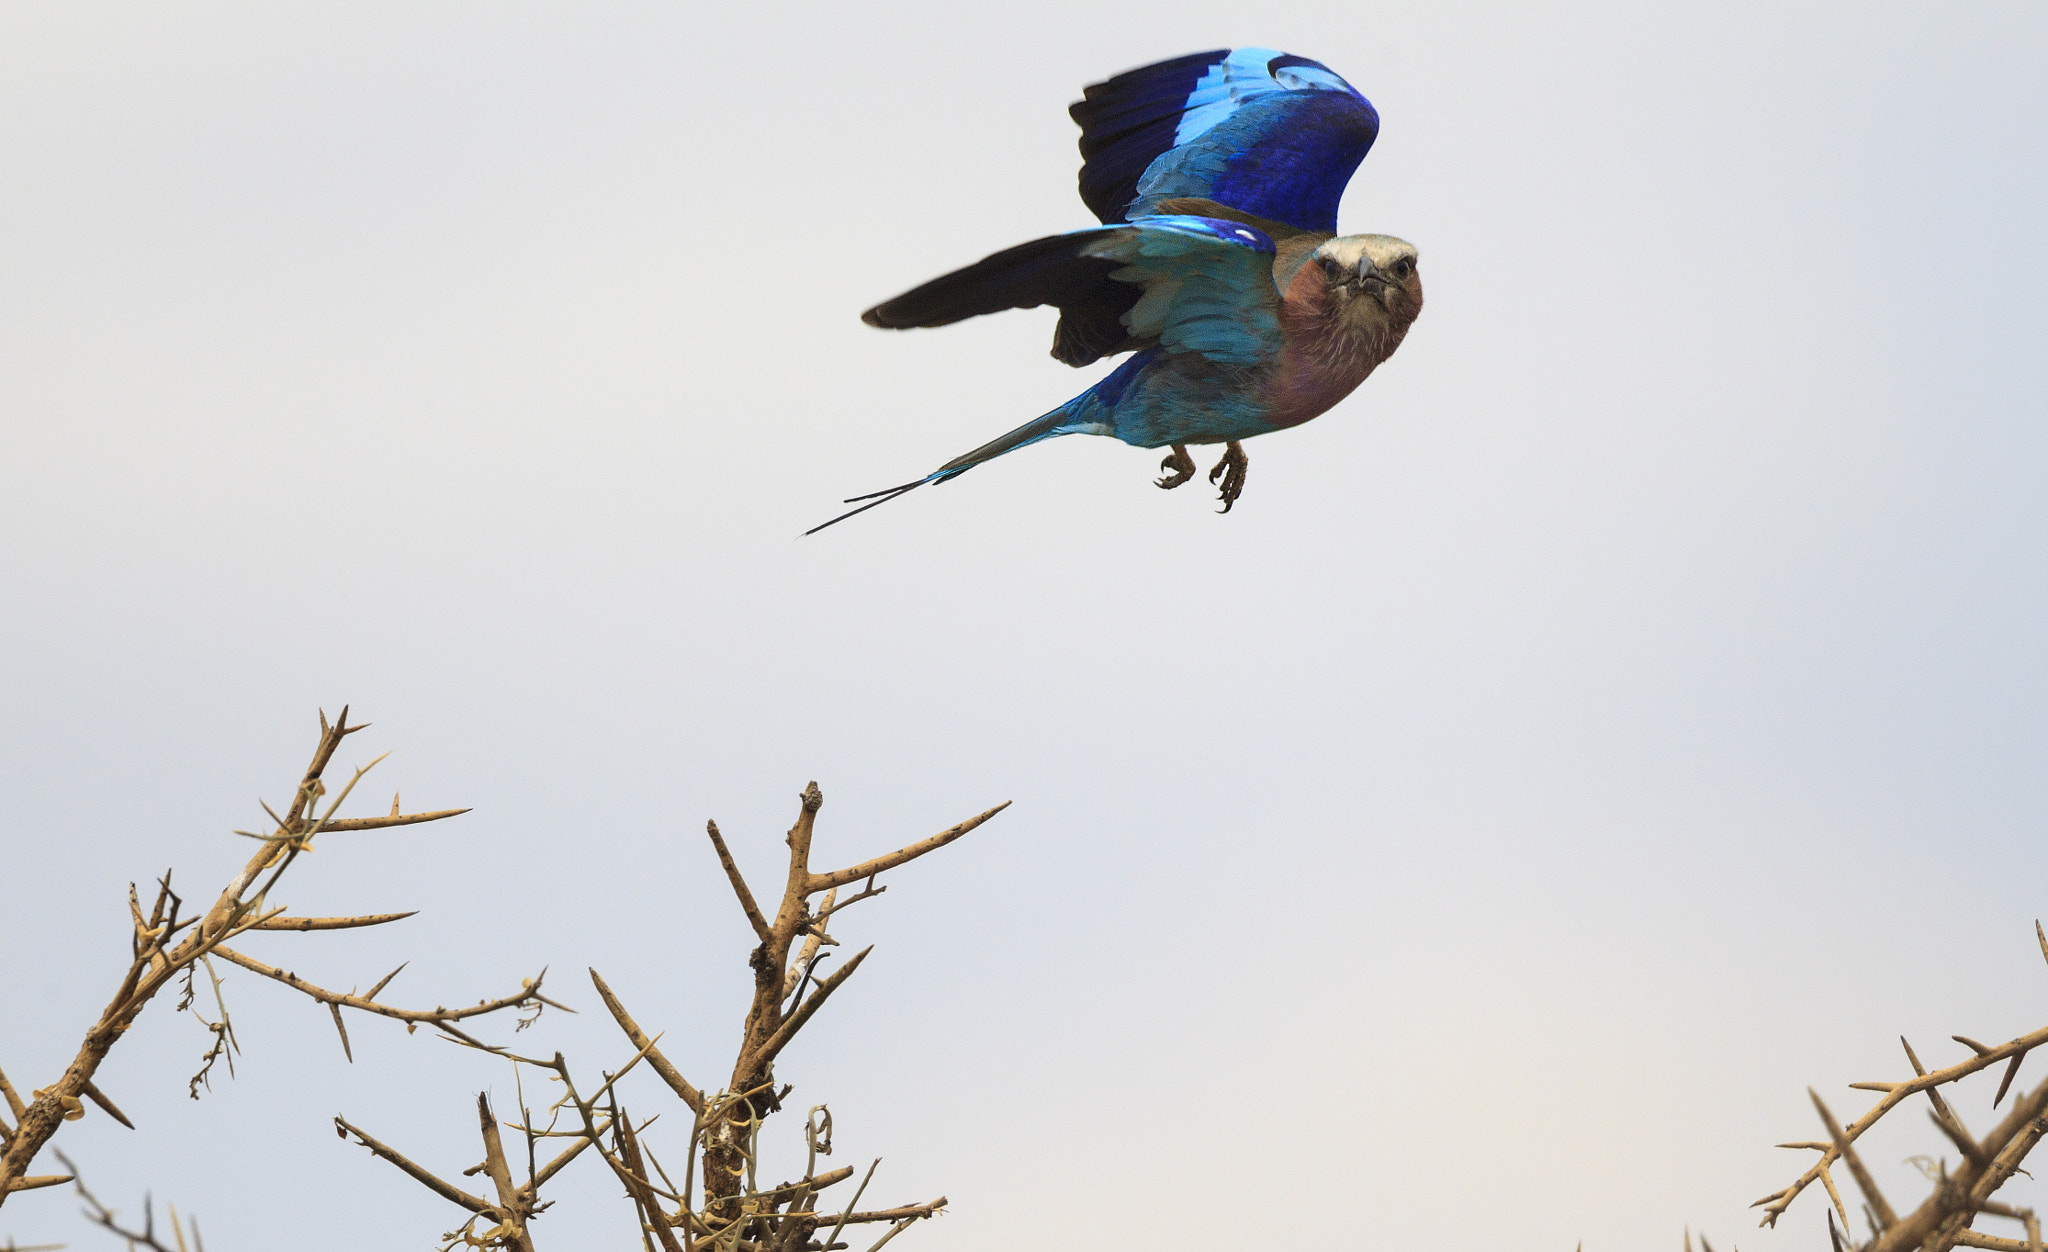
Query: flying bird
column 1218, row 265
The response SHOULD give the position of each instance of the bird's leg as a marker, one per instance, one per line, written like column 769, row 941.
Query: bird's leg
column 1182, row 465
column 1231, row 470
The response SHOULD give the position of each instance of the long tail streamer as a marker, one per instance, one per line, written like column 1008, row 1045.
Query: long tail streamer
column 873, row 498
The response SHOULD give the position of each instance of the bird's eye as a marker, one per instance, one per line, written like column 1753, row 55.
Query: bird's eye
column 1404, row 267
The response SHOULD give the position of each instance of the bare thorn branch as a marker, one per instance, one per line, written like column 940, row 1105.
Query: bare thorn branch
column 1847, row 1152
column 436, row 1016
column 330, row 923
column 512, row 1209
column 768, row 1050
column 396, row 819
column 739, row 884
column 868, row 869
column 446, row 1190
column 37, row 1181
column 669, row 1074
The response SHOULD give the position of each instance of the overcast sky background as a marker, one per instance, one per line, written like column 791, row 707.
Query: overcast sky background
column 1625, row 711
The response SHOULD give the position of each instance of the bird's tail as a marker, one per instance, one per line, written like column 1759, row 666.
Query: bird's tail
column 1057, row 422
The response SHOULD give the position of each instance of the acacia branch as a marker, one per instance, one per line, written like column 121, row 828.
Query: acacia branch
column 382, row 823
column 739, row 883
column 331, row 923
column 669, row 1073
column 1847, row 1151
column 419, row 1173
column 512, row 1206
column 1942, row 1221
column 1965, row 1193
column 102, row 1216
column 763, row 1055
column 37, row 1181
column 1895, row 1094
column 912, row 1211
column 734, row 1215
column 165, row 948
column 529, row 994
column 868, row 869
column 634, row 1175
column 814, row 938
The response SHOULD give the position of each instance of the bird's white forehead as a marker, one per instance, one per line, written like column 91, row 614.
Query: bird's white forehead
column 1383, row 249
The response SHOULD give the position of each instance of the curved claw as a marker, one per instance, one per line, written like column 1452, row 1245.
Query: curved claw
column 1231, row 470
column 1180, row 467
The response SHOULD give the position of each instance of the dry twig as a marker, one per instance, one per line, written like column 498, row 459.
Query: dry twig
column 167, row 946
column 737, row 1213
column 1943, row 1220
column 146, row 1238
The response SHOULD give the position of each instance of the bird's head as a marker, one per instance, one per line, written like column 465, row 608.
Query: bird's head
column 1373, row 282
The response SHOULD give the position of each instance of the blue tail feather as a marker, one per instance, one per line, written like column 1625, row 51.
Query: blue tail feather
column 1029, row 433
column 1092, row 412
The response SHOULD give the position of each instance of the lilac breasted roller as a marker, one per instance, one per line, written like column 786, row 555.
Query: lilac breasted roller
column 1217, row 266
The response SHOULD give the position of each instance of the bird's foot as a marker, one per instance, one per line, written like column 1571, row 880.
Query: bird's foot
column 1231, row 470
column 1181, row 465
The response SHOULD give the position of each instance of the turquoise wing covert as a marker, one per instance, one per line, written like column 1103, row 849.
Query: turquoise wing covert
column 1207, row 287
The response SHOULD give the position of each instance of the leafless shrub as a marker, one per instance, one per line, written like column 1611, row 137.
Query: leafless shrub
column 736, row 1212
column 1943, row 1220
column 168, row 947
column 145, row 1239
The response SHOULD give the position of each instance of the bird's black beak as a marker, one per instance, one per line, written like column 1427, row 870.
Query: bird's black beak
column 1370, row 279
column 1366, row 277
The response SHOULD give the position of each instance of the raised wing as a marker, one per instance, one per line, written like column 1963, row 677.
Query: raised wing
column 1184, row 284
column 1272, row 135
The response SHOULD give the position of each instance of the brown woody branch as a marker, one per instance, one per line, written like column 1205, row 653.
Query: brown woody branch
column 528, row 994
column 513, row 1207
column 419, row 1173
column 101, row 1215
column 770, row 1024
column 669, row 1074
column 167, row 946
column 735, row 1214
column 1958, row 1197
column 738, row 881
column 774, row 1044
column 1895, row 1094
column 902, row 856
column 1942, row 1221
column 896, row 1214
column 395, row 819
column 333, row 923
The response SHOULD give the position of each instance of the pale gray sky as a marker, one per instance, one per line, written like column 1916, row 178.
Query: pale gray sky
column 1625, row 711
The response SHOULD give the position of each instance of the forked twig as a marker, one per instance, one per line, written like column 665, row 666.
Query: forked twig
column 167, row 947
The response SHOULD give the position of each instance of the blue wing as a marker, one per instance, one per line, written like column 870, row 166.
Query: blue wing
column 1272, row 135
column 1181, row 283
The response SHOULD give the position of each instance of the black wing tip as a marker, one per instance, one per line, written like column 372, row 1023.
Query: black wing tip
column 1142, row 73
